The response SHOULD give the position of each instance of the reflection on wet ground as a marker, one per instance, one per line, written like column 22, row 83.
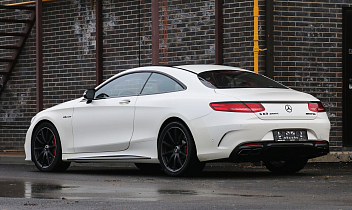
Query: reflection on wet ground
column 91, row 183
column 27, row 189
column 177, row 192
column 35, row 189
column 144, row 192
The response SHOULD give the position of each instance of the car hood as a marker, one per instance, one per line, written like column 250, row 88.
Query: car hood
column 279, row 104
column 65, row 105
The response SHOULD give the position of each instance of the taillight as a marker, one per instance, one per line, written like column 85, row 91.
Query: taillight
column 316, row 107
column 255, row 107
column 237, row 107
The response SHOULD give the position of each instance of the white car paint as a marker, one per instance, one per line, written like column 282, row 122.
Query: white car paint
column 89, row 131
column 103, row 125
column 274, row 110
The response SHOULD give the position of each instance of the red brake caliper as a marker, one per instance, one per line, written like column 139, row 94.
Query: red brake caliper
column 54, row 143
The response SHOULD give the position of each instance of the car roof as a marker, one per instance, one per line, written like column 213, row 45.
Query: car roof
column 201, row 68
column 196, row 69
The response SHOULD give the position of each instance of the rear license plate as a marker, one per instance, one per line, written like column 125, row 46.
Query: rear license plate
column 290, row 135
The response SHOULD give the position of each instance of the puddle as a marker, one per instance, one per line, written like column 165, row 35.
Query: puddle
column 105, row 190
column 177, row 192
column 80, row 190
column 111, row 189
column 27, row 189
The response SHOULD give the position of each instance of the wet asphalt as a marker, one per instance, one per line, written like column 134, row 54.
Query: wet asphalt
column 220, row 186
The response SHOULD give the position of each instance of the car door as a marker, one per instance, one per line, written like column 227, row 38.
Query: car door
column 159, row 95
column 106, row 123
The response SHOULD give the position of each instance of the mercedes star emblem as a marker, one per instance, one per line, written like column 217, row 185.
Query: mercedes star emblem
column 288, row 108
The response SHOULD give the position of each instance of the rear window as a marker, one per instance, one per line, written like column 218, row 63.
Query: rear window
column 236, row 79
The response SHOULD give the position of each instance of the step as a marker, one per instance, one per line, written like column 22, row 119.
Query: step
column 3, row 73
column 5, row 20
column 6, row 60
column 17, row 7
column 12, row 34
column 9, row 47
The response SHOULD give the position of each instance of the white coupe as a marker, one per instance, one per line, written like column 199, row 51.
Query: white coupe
column 178, row 118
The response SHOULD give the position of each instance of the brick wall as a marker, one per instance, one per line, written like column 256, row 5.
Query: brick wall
column 239, row 31
column 187, row 32
column 17, row 102
column 69, row 57
column 122, row 28
column 307, row 55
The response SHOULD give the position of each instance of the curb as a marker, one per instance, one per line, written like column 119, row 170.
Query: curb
column 332, row 157
column 14, row 159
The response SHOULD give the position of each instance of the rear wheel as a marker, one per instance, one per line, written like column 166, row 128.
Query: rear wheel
column 285, row 167
column 46, row 149
column 177, row 151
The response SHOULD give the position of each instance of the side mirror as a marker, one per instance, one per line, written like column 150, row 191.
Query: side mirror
column 89, row 95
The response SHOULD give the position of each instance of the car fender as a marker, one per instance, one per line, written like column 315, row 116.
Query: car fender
column 61, row 117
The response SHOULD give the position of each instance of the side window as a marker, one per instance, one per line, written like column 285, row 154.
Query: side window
column 159, row 83
column 127, row 85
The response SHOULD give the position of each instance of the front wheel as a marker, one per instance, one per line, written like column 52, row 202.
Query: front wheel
column 285, row 167
column 177, row 151
column 46, row 149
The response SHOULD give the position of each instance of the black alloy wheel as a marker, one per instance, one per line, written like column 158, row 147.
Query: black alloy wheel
column 46, row 149
column 174, row 149
column 177, row 151
column 285, row 167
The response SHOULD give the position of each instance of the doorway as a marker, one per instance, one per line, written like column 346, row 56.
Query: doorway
column 347, row 76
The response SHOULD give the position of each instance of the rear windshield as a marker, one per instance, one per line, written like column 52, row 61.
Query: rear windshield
column 236, row 79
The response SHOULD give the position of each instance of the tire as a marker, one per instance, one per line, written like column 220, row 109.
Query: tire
column 46, row 149
column 148, row 167
column 177, row 151
column 285, row 167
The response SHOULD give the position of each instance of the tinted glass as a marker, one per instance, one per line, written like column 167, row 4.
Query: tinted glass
column 236, row 79
column 127, row 85
column 159, row 83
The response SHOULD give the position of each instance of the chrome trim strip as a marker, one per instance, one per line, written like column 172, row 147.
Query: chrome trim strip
column 120, row 157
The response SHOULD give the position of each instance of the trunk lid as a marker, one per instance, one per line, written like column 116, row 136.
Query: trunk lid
column 279, row 104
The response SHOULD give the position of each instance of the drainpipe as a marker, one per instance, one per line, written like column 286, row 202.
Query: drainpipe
column 256, row 46
column 39, row 55
column 155, row 32
column 99, row 41
column 218, row 32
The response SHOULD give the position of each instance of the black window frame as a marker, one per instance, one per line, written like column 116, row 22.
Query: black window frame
column 184, row 87
column 129, row 73
column 140, row 93
column 209, row 85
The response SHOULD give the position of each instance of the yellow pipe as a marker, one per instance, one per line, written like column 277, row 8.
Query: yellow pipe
column 27, row 2
column 256, row 39
column 256, row 46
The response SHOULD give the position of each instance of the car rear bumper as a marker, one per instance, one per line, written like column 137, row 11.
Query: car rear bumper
column 270, row 150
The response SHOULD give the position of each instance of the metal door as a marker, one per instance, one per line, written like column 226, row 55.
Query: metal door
column 347, row 76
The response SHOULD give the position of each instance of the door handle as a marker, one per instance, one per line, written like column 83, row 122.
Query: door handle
column 125, row 101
